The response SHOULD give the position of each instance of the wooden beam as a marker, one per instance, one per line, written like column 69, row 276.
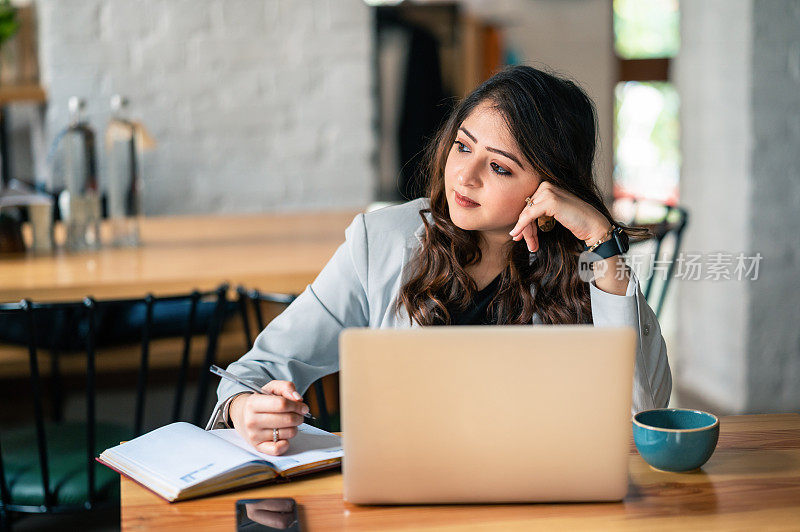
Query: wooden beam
column 22, row 93
column 644, row 69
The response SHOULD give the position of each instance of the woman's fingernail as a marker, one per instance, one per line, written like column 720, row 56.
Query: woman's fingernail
column 297, row 396
column 305, row 409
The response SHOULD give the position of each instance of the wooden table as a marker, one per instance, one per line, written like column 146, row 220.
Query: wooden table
column 752, row 482
column 278, row 252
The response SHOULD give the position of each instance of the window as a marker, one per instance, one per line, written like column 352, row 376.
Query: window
column 646, row 132
column 646, row 28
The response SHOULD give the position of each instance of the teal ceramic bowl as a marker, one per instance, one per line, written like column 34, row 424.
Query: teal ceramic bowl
column 675, row 439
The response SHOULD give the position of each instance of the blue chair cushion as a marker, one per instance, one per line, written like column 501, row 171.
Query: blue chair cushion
column 117, row 324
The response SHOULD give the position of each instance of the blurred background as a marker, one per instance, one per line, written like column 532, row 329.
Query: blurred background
column 292, row 106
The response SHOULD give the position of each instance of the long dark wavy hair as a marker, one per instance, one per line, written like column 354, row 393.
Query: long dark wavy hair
column 554, row 124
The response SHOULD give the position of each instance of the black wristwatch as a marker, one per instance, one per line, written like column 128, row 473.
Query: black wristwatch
column 618, row 244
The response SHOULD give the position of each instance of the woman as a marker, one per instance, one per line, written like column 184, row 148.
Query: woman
column 518, row 149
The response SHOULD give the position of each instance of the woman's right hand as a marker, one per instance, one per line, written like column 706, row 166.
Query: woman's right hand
column 254, row 416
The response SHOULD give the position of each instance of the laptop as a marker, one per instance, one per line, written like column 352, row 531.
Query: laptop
column 486, row 414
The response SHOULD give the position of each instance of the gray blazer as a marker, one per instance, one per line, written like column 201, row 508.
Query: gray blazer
column 359, row 287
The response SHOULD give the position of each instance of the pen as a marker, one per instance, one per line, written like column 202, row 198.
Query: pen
column 249, row 385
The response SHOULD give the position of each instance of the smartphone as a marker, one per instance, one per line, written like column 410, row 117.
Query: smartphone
column 267, row 515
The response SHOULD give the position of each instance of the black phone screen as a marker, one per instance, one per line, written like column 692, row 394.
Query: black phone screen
column 267, row 515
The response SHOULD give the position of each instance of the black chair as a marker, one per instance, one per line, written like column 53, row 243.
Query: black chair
column 49, row 466
column 315, row 396
column 667, row 224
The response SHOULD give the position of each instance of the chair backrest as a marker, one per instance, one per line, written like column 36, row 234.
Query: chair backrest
column 257, row 299
column 667, row 224
column 60, row 316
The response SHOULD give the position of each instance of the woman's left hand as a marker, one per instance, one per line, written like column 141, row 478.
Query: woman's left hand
column 584, row 221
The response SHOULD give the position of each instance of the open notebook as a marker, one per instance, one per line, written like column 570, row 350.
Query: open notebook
column 181, row 461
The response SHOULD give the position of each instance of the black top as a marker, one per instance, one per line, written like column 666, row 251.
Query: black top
column 477, row 313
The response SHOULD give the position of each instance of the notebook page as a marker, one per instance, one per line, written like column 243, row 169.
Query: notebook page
column 311, row 445
column 181, row 454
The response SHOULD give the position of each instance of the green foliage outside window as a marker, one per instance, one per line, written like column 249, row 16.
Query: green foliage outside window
column 8, row 21
column 646, row 28
column 646, row 141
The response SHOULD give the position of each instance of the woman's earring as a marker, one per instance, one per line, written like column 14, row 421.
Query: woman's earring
column 545, row 223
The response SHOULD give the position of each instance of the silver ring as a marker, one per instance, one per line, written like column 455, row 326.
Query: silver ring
column 274, row 435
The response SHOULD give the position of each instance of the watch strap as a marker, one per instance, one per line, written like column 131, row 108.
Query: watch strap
column 616, row 245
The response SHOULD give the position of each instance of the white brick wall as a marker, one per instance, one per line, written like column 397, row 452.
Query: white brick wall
column 774, row 341
column 738, row 74
column 257, row 105
column 713, row 74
